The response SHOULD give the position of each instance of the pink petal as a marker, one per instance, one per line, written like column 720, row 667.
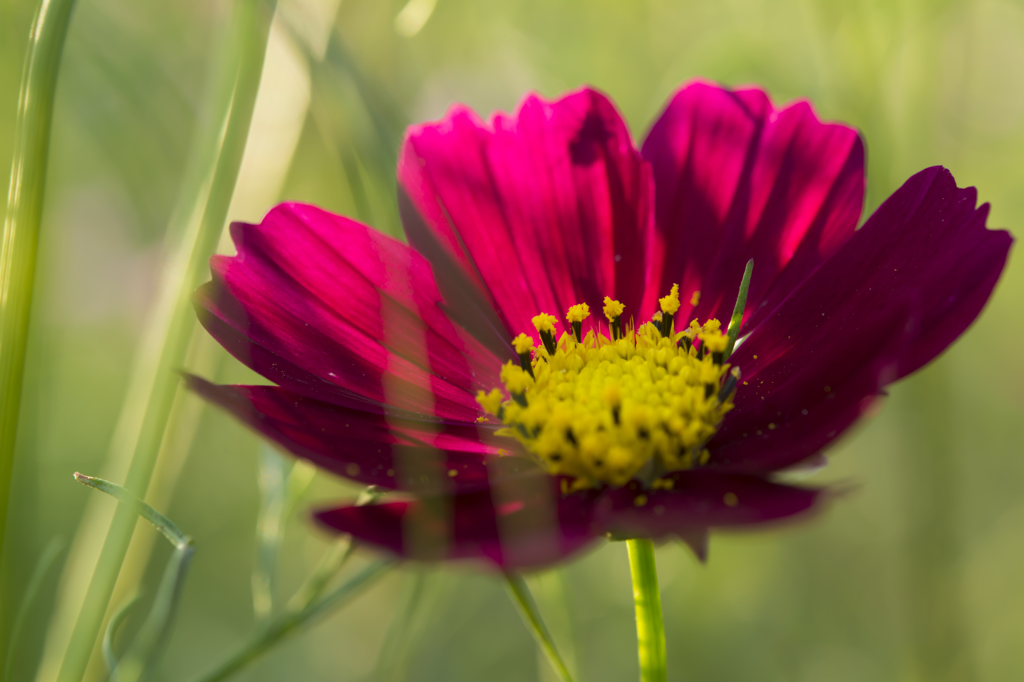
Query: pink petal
column 528, row 526
column 702, row 499
column 737, row 179
column 342, row 303
column 542, row 209
column 903, row 288
column 365, row 447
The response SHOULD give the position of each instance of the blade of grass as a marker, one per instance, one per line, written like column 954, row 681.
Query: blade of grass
column 113, row 625
column 292, row 620
column 21, row 223
column 28, row 600
column 139, row 662
column 391, row 658
column 273, row 476
column 163, row 524
column 277, row 121
column 737, row 312
column 549, row 590
column 249, row 32
column 523, row 599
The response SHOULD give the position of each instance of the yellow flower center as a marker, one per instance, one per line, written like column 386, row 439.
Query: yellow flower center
column 635, row 403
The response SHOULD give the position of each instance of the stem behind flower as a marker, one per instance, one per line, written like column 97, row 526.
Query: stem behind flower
column 650, row 631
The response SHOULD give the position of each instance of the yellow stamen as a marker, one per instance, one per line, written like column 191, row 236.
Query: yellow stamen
column 545, row 323
column 578, row 313
column 695, row 299
column 523, row 343
column 670, row 303
column 612, row 309
column 605, row 410
column 491, row 402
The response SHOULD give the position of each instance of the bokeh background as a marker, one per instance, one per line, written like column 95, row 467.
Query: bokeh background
column 914, row 576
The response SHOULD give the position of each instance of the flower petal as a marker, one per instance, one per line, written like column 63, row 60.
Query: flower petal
column 366, row 447
column 342, row 303
column 543, row 209
column 530, row 526
column 702, row 499
column 737, row 179
column 902, row 289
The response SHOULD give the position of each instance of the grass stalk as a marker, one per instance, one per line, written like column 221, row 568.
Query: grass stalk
column 21, row 223
column 247, row 46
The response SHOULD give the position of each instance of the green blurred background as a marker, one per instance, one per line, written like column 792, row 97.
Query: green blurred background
column 917, row 575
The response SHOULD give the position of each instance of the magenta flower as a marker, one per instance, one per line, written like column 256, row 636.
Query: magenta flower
column 474, row 373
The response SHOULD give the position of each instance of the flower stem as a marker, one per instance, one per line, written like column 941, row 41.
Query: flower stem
column 522, row 597
column 650, row 632
column 21, row 224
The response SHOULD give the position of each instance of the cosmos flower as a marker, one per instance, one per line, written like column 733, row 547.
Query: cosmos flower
column 546, row 362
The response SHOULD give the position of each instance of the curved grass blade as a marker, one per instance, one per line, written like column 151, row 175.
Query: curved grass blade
column 141, row 657
column 163, row 524
column 21, row 223
column 113, row 625
column 139, row 662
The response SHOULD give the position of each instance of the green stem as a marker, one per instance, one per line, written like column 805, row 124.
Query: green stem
column 650, row 632
column 250, row 30
column 21, row 224
column 522, row 597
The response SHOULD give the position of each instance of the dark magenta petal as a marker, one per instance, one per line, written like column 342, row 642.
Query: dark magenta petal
column 899, row 292
column 519, row 525
column 702, row 499
column 366, row 447
column 326, row 297
column 542, row 209
column 736, row 178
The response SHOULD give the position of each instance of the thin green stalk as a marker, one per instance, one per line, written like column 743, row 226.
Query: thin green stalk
column 28, row 600
column 273, row 481
column 250, row 30
column 333, row 561
column 737, row 311
column 292, row 620
column 650, row 632
column 390, row 663
column 21, row 224
column 522, row 597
